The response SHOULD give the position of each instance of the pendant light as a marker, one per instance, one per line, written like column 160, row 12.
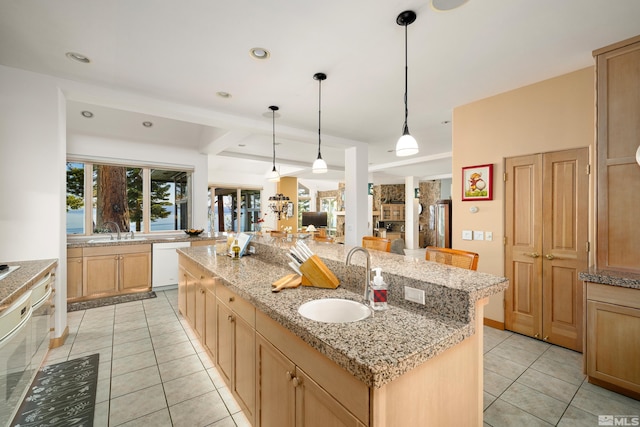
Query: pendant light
column 319, row 165
column 406, row 145
column 274, row 176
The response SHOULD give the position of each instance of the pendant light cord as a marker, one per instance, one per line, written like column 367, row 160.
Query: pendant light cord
column 406, row 80
column 273, row 111
column 319, row 113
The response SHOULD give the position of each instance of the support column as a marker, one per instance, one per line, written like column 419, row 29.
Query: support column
column 411, row 215
column 356, row 200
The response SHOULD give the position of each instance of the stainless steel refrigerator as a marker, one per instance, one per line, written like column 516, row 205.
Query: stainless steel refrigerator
column 440, row 221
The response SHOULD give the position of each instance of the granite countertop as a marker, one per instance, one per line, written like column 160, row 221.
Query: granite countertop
column 375, row 350
column 18, row 281
column 83, row 242
column 611, row 277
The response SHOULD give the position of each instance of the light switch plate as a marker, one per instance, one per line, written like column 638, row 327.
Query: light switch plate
column 414, row 295
column 478, row 235
column 467, row 235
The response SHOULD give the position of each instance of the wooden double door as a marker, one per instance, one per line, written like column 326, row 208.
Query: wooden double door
column 546, row 231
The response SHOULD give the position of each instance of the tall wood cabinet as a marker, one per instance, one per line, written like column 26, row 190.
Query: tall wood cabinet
column 546, row 229
column 618, row 137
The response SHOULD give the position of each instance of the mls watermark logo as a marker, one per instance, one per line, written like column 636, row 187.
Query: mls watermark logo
column 618, row 420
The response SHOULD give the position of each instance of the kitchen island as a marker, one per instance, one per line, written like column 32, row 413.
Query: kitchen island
column 413, row 364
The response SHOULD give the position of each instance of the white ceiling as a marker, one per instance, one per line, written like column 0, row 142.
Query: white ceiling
column 184, row 52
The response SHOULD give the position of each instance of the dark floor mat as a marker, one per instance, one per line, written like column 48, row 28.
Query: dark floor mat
column 101, row 302
column 63, row 394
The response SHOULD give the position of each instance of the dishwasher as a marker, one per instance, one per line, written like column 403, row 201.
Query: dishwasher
column 165, row 265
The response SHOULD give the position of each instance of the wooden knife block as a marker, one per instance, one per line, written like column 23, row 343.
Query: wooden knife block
column 316, row 273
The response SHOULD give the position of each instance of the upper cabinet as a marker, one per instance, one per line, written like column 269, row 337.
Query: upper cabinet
column 618, row 137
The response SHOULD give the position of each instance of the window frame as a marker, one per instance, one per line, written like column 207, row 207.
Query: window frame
column 146, row 192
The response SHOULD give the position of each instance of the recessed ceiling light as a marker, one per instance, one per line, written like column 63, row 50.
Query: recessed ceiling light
column 147, row 124
column 259, row 53
column 87, row 114
column 391, row 151
column 242, row 145
column 78, row 57
column 444, row 5
column 223, row 94
column 445, row 122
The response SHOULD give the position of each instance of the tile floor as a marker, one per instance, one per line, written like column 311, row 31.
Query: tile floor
column 153, row 372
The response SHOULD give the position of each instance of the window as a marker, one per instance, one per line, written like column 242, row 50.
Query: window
column 225, row 206
column 304, row 202
column 135, row 198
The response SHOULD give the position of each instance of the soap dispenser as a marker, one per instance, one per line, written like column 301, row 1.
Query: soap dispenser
column 379, row 301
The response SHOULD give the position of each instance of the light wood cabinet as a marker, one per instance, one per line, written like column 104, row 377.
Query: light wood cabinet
column 114, row 269
column 613, row 338
column 235, row 345
column 392, row 212
column 74, row 273
column 296, row 385
column 618, row 133
column 288, row 397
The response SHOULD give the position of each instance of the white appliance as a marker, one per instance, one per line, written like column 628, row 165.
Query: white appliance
column 15, row 356
column 165, row 264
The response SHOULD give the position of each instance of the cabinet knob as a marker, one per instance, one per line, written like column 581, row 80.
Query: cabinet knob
column 549, row 256
column 545, row 338
column 296, row 381
column 536, row 336
column 290, row 375
column 533, row 254
column 230, row 318
column 231, row 299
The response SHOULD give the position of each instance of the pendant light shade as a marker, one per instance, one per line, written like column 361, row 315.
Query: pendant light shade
column 406, row 145
column 274, row 176
column 638, row 155
column 319, row 165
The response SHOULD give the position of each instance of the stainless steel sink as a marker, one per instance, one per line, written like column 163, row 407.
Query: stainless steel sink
column 334, row 310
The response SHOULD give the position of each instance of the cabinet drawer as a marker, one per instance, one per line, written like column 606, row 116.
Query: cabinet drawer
column 627, row 297
column 74, row 252
column 240, row 306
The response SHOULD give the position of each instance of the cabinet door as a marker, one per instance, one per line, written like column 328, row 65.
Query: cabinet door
column 612, row 350
column 135, row 271
column 199, row 321
column 244, row 355
column 210, row 322
column 182, row 291
column 100, row 274
column 224, row 340
column 190, row 297
column 317, row 408
column 275, row 394
column 74, row 277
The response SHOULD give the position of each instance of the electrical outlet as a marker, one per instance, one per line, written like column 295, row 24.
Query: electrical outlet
column 414, row 295
column 488, row 235
column 478, row 235
column 252, row 249
column 467, row 235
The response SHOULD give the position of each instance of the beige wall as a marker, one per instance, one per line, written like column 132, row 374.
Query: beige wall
column 289, row 187
column 551, row 115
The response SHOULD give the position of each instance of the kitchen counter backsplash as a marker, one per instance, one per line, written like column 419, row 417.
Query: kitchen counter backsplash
column 611, row 277
column 450, row 292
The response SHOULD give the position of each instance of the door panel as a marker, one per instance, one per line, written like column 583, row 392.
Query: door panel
column 565, row 231
column 523, row 265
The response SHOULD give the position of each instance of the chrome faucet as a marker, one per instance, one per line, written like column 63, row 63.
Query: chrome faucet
column 116, row 225
column 367, row 286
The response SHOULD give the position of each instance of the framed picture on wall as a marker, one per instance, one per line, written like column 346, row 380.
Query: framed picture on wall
column 477, row 182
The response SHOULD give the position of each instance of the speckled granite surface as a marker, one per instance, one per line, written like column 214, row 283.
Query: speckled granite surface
column 611, row 277
column 375, row 350
column 18, row 281
column 84, row 242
